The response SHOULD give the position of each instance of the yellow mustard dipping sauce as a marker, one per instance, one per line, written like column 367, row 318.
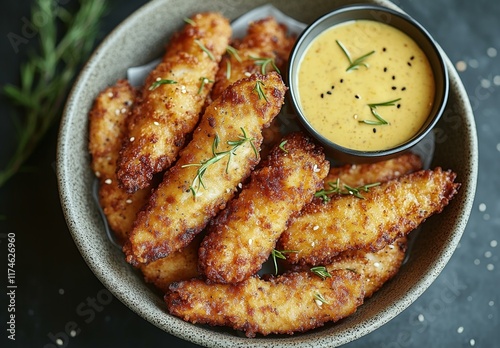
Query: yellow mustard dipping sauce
column 337, row 102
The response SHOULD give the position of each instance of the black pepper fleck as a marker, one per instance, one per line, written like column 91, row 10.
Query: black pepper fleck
column 322, row 95
column 399, row 106
column 385, row 69
column 412, row 57
column 374, row 130
column 341, row 80
column 409, row 64
column 356, row 96
column 393, row 77
column 384, row 49
column 393, row 88
column 333, row 87
column 329, row 92
column 403, row 89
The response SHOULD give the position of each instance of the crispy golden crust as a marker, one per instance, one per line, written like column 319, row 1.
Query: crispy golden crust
column 167, row 114
column 173, row 216
column 389, row 211
column 107, row 127
column 181, row 265
column 356, row 175
column 376, row 268
column 242, row 237
column 282, row 305
column 266, row 38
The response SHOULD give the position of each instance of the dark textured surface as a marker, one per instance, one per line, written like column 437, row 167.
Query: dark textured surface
column 57, row 292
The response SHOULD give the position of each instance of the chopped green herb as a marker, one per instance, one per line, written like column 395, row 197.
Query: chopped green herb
column 373, row 108
column 282, row 146
column 354, row 65
column 280, row 254
column 336, row 188
column 206, row 50
column 320, row 298
column 321, row 271
column 234, row 52
column 264, row 62
column 160, row 82
column 189, row 21
column 204, row 81
column 259, row 90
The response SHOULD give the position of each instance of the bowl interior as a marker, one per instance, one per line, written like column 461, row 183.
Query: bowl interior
column 140, row 39
column 398, row 20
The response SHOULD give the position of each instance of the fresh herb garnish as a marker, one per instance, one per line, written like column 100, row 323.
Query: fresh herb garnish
column 373, row 108
column 264, row 62
column 354, row 65
column 280, row 254
column 204, row 81
column 337, row 188
column 282, row 146
column 320, row 299
column 216, row 157
column 321, row 271
column 258, row 88
column 48, row 72
column 234, row 52
column 189, row 21
column 160, row 82
column 206, row 50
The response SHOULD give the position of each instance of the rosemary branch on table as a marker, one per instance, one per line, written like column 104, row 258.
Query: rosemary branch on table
column 46, row 75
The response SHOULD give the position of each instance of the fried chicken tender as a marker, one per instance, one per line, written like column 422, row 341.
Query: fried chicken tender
column 294, row 302
column 107, row 127
column 387, row 212
column 266, row 39
column 180, row 265
column 209, row 169
column 242, row 237
column 356, row 175
column 173, row 96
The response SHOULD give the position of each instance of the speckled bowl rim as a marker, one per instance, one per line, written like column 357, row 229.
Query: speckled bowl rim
column 124, row 283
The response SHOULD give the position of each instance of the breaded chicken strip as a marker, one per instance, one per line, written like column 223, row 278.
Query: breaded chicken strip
column 173, row 96
column 294, row 302
column 242, row 237
column 107, row 127
column 356, row 175
column 221, row 155
column 375, row 268
column 387, row 212
column 266, row 42
column 180, row 265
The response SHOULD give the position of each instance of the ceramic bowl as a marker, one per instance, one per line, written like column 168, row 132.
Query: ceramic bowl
column 398, row 20
column 140, row 39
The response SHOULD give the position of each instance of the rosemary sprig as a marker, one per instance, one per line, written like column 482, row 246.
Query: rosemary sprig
column 373, row 108
column 205, row 49
column 282, row 146
column 189, row 21
column 321, row 271
column 264, row 62
column 204, row 81
column 337, row 188
column 280, row 254
column 320, row 299
column 160, row 82
column 258, row 88
column 216, row 157
column 234, row 52
column 354, row 65
column 47, row 74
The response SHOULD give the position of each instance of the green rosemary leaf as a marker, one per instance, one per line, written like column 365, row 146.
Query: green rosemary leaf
column 259, row 90
column 373, row 108
column 280, row 254
column 320, row 298
column 234, row 52
column 47, row 74
column 321, row 271
column 189, row 21
column 205, row 49
column 282, row 146
column 264, row 62
column 204, row 81
column 335, row 188
column 354, row 65
column 160, row 82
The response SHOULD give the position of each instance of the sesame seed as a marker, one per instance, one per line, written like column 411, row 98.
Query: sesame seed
column 240, row 185
column 247, row 74
column 472, row 342
column 110, row 94
column 409, row 64
column 117, row 112
column 356, row 96
column 250, row 241
column 72, row 333
column 341, row 80
column 393, row 88
column 421, row 318
column 318, row 302
column 128, row 201
column 313, row 244
column 377, row 264
column 156, row 123
column 403, row 89
column 158, row 79
column 123, row 110
column 98, row 174
column 385, row 69
column 355, row 116
column 374, row 130
column 493, row 243
column 322, row 95
column 329, row 93
column 59, row 342
column 316, row 168
column 460, row 329
column 108, row 181
column 315, row 228
column 132, row 139
column 228, row 190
